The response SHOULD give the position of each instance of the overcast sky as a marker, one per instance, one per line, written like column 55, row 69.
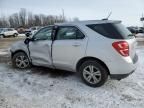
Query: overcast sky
column 129, row 11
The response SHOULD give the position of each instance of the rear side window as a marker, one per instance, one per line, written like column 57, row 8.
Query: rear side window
column 10, row 29
column 112, row 30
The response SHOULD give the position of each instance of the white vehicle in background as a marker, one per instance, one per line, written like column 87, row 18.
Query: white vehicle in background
column 140, row 37
column 7, row 32
column 34, row 29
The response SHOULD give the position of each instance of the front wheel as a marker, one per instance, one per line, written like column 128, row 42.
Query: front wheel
column 2, row 36
column 20, row 60
column 93, row 73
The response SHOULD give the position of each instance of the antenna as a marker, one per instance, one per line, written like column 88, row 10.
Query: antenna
column 107, row 16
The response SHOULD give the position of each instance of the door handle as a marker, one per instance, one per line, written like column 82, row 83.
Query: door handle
column 76, row 44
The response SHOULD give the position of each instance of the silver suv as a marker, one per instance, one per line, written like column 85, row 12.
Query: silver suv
column 95, row 49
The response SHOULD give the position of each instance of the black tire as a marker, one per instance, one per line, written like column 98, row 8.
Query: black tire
column 15, row 35
column 2, row 36
column 16, row 60
column 99, row 70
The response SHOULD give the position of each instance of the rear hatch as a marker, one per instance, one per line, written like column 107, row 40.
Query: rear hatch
column 126, row 35
column 118, row 32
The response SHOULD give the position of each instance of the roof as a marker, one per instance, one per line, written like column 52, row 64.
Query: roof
column 89, row 22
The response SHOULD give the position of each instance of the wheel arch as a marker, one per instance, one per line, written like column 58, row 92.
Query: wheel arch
column 13, row 59
column 13, row 53
column 15, row 33
column 2, row 34
column 82, row 60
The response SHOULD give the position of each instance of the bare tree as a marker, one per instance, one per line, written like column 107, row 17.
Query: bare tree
column 17, row 20
column 22, row 16
column 14, row 20
column 4, row 22
column 28, row 19
column 11, row 21
column 76, row 19
column 37, row 20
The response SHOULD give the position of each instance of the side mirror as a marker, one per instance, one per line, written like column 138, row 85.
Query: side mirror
column 27, row 40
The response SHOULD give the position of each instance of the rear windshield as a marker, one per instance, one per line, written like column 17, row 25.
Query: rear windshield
column 112, row 30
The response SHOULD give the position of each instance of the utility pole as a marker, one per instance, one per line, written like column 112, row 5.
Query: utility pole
column 63, row 14
column 142, row 20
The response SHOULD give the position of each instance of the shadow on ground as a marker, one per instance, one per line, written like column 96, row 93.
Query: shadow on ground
column 5, row 59
column 52, row 72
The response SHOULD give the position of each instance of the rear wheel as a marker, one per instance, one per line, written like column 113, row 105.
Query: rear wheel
column 15, row 35
column 93, row 73
column 20, row 60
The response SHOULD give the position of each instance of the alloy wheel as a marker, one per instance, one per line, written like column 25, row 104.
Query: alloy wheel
column 92, row 74
column 22, row 61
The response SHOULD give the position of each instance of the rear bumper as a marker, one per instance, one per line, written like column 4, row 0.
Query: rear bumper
column 120, row 76
column 122, row 67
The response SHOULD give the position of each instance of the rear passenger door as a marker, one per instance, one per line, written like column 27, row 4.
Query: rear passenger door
column 68, row 47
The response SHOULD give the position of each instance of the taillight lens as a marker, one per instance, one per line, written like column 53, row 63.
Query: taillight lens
column 122, row 47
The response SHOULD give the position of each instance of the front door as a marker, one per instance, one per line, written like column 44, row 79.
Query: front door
column 40, row 48
column 7, row 32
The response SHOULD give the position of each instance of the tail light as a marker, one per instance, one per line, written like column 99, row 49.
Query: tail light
column 122, row 47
